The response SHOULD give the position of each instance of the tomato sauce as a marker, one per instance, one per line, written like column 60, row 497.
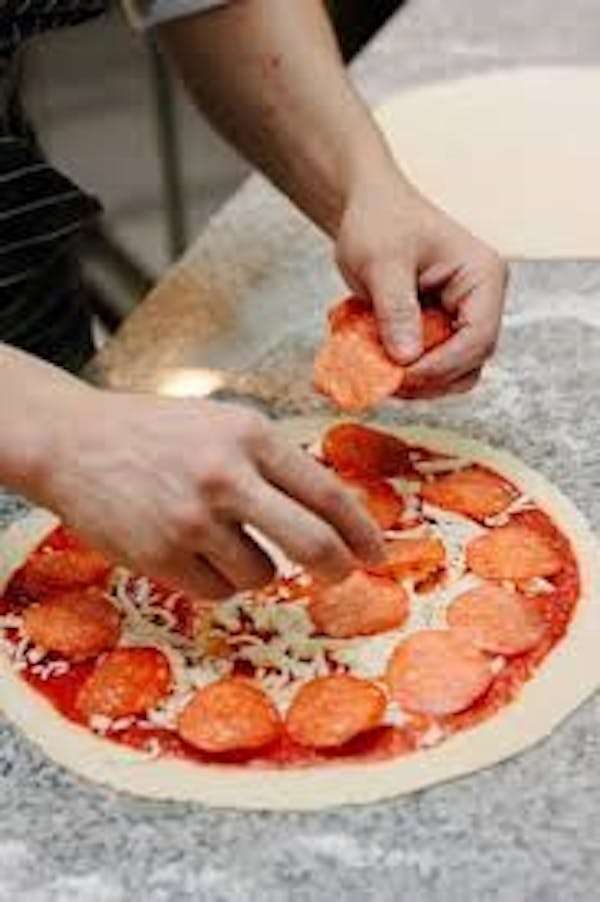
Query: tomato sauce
column 62, row 690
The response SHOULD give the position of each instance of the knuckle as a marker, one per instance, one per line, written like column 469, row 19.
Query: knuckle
column 369, row 263
column 215, row 480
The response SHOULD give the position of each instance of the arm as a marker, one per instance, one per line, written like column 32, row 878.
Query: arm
column 269, row 76
column 167, row 486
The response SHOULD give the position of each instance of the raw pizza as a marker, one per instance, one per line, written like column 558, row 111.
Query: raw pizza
column 474, row 638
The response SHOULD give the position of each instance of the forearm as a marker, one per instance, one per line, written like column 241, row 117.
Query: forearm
column 269, row 76
column 38, row 400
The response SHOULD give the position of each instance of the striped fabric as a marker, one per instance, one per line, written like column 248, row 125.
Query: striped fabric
column 22, row 19
column 42, row 213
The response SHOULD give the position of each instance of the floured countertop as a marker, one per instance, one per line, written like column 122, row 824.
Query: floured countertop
column 528, row 829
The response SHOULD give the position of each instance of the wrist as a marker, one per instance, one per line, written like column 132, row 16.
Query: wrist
column 373, row 179
column 51, row 421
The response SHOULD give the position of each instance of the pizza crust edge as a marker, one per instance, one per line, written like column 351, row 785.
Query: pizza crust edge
column 570, row 674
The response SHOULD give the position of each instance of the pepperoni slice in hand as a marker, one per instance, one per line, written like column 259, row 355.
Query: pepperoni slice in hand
column 512, row 552
column 414, row 558
column 436, row 324
column 361, row 605
column 362, row 453
column 382, row 501
column 59, row 571
column 230, row 715
column 348, row 313
column 436, row 672
column 496, row 620
column 76, row 625
column 353, row 367
column 436, row 327
column 354, row 371
column 126, row 681
column 332, row 710
column 473, row 492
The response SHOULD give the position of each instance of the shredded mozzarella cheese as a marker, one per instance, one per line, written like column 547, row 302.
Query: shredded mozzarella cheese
column 272, row 631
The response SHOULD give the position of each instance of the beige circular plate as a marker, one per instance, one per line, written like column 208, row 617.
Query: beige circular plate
column 512, row 154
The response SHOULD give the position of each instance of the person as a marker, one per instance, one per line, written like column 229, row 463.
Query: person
column 169, row 486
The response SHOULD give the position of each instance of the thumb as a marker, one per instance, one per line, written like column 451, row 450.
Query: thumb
column 393, row 293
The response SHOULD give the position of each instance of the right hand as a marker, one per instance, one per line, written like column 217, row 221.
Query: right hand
column 392, row 244
column 167, row 487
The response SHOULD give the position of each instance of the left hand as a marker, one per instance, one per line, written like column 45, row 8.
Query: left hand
column 393, row 244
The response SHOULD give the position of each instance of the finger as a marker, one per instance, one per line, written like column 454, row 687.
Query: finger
column 237, row 557
column 300, row 534
column 429, row 391
column 474, row 294
column 393, row 293
column 464, row 385
column 466, row 350
column 196, row 577
column 302, row 478
column 436, row 276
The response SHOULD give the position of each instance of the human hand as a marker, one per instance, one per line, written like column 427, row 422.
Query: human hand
column 393, row 245
column 167, row 486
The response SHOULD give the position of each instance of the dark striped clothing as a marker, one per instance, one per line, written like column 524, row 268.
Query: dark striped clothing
column 42, row 213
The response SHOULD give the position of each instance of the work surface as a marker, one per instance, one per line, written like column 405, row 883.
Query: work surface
column 525, row 830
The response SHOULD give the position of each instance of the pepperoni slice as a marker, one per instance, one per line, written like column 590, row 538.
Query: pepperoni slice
column 356, row 313
column 512, row 552
column 360, row 452
column 414, row 558
column 351, row 312
column 332, row 710
column 230, row 715
column 77, row 625
column 384, row 504
column 436, row 326
column 437, row 672
column 473, row 492
column 361, row 605
column 126, row 681
column 59, row 571
column 382, row 501
column 353, row 370
column 497, row 620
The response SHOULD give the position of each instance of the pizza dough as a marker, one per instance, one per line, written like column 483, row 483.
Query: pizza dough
column 568, row 676
column 512, row 154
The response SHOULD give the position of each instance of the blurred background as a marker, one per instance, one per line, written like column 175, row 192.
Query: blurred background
column 108, row 113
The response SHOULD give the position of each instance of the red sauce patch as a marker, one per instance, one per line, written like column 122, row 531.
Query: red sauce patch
column 62, row 690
